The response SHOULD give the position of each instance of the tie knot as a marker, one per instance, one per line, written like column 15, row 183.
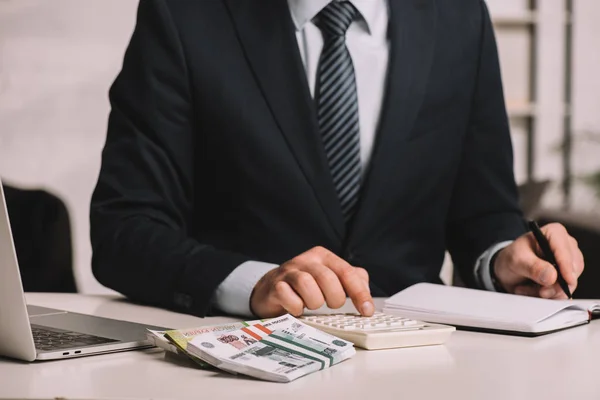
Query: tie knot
column 335, row 19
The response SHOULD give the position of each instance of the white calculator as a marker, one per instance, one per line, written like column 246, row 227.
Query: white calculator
column 381, row 331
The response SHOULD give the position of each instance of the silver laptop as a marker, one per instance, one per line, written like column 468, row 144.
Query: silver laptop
column 35, row 333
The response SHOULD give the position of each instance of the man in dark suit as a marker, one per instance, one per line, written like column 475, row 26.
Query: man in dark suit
column 263, row 157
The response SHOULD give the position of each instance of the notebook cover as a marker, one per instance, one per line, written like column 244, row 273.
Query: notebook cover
column 516, row 333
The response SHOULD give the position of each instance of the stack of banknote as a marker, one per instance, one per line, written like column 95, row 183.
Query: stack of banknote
column 280, row 349
column 176, row 341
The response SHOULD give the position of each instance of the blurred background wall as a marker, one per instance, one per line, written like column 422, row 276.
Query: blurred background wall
column 59, row 57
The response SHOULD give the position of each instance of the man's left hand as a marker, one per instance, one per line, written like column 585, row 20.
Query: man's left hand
column 520, row 268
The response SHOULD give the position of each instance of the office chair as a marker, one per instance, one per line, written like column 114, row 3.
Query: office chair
column 42, row 234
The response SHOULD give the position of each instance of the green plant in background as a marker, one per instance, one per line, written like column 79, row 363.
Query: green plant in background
column 592, row 179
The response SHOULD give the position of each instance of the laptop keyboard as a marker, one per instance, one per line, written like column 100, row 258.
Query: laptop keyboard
column 49, row 339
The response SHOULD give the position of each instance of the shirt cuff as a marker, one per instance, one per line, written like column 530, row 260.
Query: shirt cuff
column 483, row 273
column 233, row 294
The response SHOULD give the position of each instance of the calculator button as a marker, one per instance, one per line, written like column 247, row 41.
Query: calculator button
column 370, row 327
column 380, row 330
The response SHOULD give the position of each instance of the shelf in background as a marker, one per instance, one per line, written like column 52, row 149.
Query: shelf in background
column 517, row 109
column 523, row 109
column 521, row 20
column 516, row 20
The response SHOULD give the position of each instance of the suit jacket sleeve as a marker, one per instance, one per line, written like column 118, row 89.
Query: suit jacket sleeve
column 484, row 208
column 142, row 204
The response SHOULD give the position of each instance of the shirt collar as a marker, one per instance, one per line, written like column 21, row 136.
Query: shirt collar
column 303, row 11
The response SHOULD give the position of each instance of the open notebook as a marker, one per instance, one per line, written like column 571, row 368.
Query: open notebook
column 489, row 311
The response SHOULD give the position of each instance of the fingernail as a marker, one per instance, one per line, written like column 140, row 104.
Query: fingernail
column 547, row 293
column 544, row 276
column 367, row 308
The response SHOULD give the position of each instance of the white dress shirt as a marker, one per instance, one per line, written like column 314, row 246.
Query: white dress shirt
column 368, row 44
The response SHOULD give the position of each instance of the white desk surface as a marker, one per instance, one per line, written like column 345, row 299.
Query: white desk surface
column 564, row 365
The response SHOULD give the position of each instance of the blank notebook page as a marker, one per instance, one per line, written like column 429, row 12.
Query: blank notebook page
column 475, row 304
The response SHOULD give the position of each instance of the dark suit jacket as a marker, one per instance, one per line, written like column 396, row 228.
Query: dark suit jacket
column 213, row 156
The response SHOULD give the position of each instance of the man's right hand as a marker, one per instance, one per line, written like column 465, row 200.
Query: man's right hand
column 309, row 281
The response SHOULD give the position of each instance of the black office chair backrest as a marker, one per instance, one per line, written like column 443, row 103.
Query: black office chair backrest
column 41, row 231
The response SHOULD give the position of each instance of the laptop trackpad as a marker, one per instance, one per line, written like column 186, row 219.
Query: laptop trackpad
column 36, row 311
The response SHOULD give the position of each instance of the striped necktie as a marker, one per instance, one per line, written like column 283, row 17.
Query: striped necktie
column 337, row 104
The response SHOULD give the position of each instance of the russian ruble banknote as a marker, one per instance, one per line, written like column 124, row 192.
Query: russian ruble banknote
column 281, row 349
column 176, row 340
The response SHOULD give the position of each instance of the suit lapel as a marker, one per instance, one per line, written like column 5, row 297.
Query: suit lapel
column 412, row 35
column 267, row 36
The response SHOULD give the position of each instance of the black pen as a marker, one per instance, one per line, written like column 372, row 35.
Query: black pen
column 548, row 255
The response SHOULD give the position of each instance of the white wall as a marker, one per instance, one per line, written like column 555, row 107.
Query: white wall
column 58, row 58
column 550, row 80
column 586, row 101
